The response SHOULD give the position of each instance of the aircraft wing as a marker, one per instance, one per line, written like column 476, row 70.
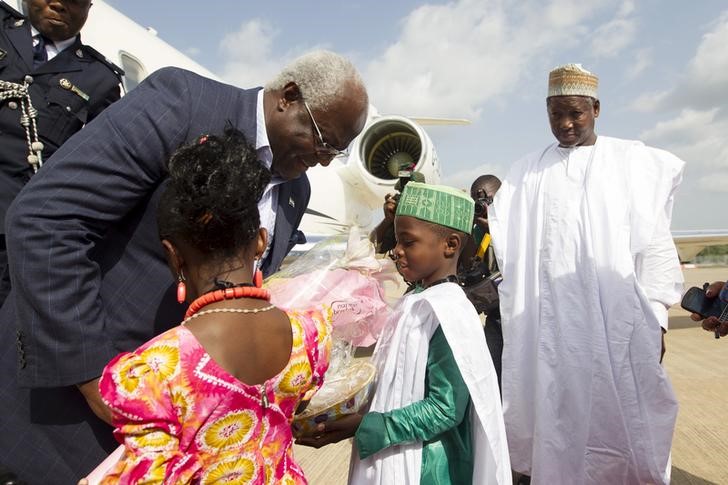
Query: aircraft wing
column 690, row 243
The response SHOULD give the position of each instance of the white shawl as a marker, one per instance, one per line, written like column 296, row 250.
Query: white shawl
column 401, row 359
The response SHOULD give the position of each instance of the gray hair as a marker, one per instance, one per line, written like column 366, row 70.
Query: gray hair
column 321, row 75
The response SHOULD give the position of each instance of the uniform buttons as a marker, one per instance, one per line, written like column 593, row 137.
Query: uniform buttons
column 29, row 79
column 12, row 105
column 68, row 108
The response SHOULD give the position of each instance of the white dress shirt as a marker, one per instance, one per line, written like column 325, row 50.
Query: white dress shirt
column 52, row 48
column 268, row 204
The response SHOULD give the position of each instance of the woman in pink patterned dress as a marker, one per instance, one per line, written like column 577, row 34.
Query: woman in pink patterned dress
column 211, row 401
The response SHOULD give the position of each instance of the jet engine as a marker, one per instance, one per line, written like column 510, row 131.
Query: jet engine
column 388, row 145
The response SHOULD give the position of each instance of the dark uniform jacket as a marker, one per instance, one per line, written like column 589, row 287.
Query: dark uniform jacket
column 89, row 275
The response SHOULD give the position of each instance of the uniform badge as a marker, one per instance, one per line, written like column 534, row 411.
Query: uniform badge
column 19, row 23
column 3, row 53
column 66, row 84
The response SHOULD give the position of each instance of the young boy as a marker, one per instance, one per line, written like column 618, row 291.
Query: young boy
column 435, row 416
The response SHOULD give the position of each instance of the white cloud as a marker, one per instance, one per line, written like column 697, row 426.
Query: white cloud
column 249, row 53
column 611, row 38
column 705, row 81
column 451, row 59
column 689, row 125
column 626, row 8
column 649, row 102
column 642, row 60
column 710, row 64
column 697, row 133
column 714, row 182
column 698, row 137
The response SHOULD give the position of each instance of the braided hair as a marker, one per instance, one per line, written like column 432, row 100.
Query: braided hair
column 211, row 201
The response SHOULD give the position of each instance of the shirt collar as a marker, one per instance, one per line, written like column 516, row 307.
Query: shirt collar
column 261, row 139
column 60, row 45
column 261, row 135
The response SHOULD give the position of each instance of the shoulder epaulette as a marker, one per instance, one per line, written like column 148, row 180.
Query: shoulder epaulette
column 99, row 56
column 4, row 6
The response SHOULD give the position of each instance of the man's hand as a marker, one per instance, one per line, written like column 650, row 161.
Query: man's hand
column 383, row 235
column 481, row 222
column 712, row 323
column 90, row 391
column 390, row 207
column 333, row 432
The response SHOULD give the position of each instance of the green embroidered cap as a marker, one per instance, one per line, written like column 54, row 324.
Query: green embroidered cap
column 438, row 204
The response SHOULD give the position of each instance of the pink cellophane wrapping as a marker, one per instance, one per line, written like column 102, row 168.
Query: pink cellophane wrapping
column 357, row 301
column 94, row 478
column 341, row 272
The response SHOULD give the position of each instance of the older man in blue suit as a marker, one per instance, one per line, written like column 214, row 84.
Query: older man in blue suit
column 88, row 274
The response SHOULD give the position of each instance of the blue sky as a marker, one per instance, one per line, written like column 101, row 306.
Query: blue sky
column 663, row 68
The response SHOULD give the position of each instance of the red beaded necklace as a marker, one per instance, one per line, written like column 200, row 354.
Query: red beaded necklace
column 227, row 294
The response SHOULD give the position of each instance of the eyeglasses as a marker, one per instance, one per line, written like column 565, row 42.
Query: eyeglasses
column 325, row 149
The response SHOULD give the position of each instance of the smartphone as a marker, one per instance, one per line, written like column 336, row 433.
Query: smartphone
column 695, row 301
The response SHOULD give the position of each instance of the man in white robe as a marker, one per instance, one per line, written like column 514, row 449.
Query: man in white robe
column 581, row 233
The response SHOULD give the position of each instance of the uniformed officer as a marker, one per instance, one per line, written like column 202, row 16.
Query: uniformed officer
column 50, row 86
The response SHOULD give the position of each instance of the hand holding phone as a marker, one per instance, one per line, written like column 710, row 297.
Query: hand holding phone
column 697, row 302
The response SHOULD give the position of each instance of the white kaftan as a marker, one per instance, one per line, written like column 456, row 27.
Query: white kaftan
column 582, row 240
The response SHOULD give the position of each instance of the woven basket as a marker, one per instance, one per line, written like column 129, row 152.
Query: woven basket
column 340, row 395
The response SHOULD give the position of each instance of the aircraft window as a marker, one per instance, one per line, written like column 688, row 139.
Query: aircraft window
column 134, row 71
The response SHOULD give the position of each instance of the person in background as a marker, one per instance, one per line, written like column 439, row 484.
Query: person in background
column 89, row 277
column 581, row 231
column 49, row 76
column 483, row 191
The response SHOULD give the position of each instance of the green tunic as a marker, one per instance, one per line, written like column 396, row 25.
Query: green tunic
column 441, row 421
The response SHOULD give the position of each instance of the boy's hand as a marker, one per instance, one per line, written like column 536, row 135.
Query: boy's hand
column 333, row 432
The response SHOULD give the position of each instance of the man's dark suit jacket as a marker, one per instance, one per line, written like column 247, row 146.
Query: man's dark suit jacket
column 88, row 273
column 61, row 112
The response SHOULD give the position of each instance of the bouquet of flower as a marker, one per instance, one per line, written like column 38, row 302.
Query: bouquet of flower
column 343, row 273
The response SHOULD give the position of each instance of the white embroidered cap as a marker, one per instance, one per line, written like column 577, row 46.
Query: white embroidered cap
column 572, row 80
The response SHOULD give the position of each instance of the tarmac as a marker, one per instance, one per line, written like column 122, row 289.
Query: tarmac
column 697, row 364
